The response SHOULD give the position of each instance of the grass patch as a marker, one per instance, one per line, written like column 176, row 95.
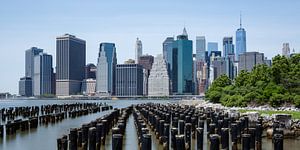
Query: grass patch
column 295, row 114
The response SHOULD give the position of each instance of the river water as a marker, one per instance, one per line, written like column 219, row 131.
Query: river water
column 44, row 137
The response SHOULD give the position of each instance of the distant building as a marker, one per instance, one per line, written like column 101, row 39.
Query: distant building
column 42, row 78
column 223, row 65
column 228, row 47
column 29, row 62
column 249, row 59
column 29, row 58
column 159, row 81
column 168, row 53
column 88, row 87
column 146, row 61
column 182, row 77
column 286, row 50
column 212, row 46
column 70, row 63
column 90, row 71
column 268, row 62
column 129, row 80
column 240, row 41
column 138, row 49
column 200, row 48
column 106, row 68
column 25, row 87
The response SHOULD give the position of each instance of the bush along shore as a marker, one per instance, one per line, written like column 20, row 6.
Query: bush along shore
column 278, row 85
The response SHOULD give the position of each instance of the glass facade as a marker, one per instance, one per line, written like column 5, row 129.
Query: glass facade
column 228, row 47
column 240, row 42
column 168, row 53
column 183, row 55
column 200, row 48
column 107, row 62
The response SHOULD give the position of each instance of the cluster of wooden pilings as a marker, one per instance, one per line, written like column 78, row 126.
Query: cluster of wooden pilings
column 32, row 117
column 175, row 126
column 92, row 135
column 13, row 113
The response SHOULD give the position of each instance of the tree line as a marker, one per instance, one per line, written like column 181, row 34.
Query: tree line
column 276, row 85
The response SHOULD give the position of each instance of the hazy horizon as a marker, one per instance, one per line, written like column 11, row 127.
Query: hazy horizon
column 25, row 24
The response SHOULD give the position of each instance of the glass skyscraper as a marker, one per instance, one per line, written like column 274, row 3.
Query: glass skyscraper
column 29, row 58
column 182, row 77
column 212, row 46
column 240, row 41
column 200, row 48
column 42, row 78
column 70, row 63
column 106, row 67
column 168, row 53
column 228, row 47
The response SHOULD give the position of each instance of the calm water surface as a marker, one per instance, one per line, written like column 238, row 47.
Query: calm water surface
column 44, row 137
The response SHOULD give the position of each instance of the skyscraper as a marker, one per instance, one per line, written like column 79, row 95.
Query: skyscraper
column 29, row 58
column 25, row 86
column 159, row 82
column 228, row 47
column 146, row 61
column 200, row 48
column 249, row 59
column 182, row 77
column 129, row 80
column 42, row 78
column 106, row 66
column 212, row 46
column 70, row 63
column 286, row 50
column 168, row 54
column 138, row 49
column 240, row 41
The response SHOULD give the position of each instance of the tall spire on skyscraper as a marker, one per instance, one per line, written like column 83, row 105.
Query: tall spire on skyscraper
column 240, row 19
column 184, row 32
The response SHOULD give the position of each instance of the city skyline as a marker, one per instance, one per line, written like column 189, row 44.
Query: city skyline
column 32, row 29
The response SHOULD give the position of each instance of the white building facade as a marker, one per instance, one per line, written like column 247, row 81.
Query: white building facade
column 159, row 81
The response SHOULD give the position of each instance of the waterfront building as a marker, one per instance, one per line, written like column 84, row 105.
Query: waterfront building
column 70, row 63
column 25, row 87
column 138, row 49
column 90, row 71
column 248, row 60
column 200, row 48
column 146, row 61
column 159, row 81
column 212, row 46
column 129, row 80
column 240, row 41
column 286, row 50
column 88, row 87
column 42, row 78
column 106, row 67
column 228, row 47
column 182, row 70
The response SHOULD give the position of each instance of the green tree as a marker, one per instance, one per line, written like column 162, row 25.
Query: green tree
column 242, row 79
column 297, row 100
column 276, row 100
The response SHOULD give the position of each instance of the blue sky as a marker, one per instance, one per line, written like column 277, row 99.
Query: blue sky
column 24, row 24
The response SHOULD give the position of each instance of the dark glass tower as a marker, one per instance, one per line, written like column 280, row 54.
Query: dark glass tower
column 70, row 63
column 182, row 75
